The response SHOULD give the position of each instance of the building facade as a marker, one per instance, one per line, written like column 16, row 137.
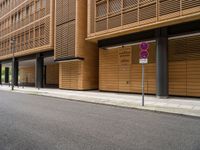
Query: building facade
column 94, row 44
column 46, row 38
column 171, row 27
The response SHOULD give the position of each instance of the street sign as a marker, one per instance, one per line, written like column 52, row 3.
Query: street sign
column 144, row 54
column 144, row 46
column 143, row 61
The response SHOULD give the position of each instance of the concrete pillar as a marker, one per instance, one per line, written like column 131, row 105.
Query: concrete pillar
column 162, row 62
column 45, row 75
column 0, row 73
column 15, row 72
column 39, row 71
column 6, row 74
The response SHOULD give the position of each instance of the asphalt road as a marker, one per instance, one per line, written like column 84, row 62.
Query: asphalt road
column 29, row 122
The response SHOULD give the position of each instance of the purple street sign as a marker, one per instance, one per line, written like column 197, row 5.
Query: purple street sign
column 144, row 54
column 144, row 50
column 144, row 46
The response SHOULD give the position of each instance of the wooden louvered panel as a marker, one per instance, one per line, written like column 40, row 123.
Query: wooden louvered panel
column 151, row 13
column 178, row 78
column 147, row 13
column 120, row 70
column 184, row 48
column 59, row 45
column 71, row 38
column 64, row 73
column 72, row 9
column 130, row 3
column 52, row 74
column 91, row 17
column 125, row 60
column 184, row 56
column 169, row 8
column 101, row 9
column 130, row 17
column 64, row 39
column 101, row 25
column 65, row 42
column 114, row 6
column 146, row 2
column 190, row 6
column 136, row 79
column 69, row 75
column 193, row 78
column 59, row 12
column 65, row 11
column 151, row 78
column 114, row 21
column 108, row 73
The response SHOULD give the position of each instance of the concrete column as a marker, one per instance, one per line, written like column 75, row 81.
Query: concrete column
column 39, row 71
column 0, row 73
column 6, row 74
column 15, row 71
column 45, row 75
column 162, row 62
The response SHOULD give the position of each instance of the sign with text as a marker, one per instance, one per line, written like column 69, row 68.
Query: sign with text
column 144, row 54
column 143, row 61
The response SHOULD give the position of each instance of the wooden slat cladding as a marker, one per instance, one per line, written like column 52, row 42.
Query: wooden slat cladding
column 65, row 11
column 184, row 61
column 70, row 75
column 109, row 70
column 114, row 21
column 133, row 14
column 65, row 28
column 120, row 70
column 52, row 74
column 30, row 23
column 65, row 40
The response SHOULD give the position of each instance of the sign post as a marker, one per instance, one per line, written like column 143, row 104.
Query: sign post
column 143, row 60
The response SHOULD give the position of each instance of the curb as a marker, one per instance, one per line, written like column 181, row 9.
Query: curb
column 169, row 110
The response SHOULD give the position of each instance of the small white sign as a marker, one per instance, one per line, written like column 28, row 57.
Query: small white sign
column 143, row 61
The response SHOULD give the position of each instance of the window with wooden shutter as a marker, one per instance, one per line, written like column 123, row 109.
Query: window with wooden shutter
column 130, row 3
column 114, row 6
column 101, row 9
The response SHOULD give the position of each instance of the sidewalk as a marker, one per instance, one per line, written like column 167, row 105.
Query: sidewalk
column 180, row 105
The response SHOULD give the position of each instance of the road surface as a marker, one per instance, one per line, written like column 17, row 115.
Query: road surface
column 29, row 122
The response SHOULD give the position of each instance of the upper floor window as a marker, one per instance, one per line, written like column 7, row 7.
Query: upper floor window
column 129, row 3
column 114, row 6
column 44, row 3
column 37, row 5
column 27, row 10
column 101, row 9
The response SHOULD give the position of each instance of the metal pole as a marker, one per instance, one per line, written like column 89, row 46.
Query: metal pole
column 13, row 61
column 142, row 84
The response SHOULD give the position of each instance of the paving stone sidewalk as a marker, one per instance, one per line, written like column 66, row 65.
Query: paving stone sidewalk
column 175, row 105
